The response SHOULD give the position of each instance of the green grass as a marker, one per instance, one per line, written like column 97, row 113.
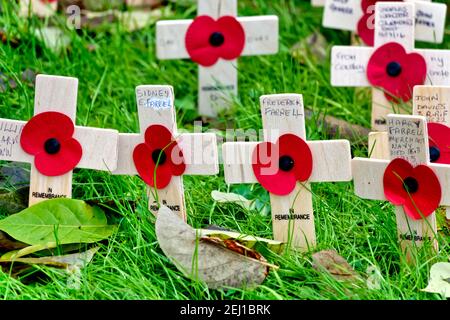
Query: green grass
column 131, row 265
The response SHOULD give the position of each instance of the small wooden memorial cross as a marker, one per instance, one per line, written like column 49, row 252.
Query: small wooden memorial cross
column 41, row 8
column 428, row 186
column 288, row 169
column 216, row 52
column 348, row 15
column 148, row 154
column 317, row 3
column 434, row 104
column 51, row 142
column 394, row 25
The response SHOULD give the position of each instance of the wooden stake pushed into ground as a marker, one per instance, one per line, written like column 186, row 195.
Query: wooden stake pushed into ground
column 431, row 102
column 292, row 214
column 408, row 139
column 349, row 64
column 99, row 146
column 345, row 15
column 218, row 82
column 156, row 108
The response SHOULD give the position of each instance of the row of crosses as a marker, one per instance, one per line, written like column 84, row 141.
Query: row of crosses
column 284, row 163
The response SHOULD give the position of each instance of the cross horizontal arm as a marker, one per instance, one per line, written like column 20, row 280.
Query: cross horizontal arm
column 199, row 151
column 438, row 66
column 368, row 178
column 99, row 148
column 331, row 161
column 10, row 149
column 261, row 37
column 349, row 66
column 99, row 145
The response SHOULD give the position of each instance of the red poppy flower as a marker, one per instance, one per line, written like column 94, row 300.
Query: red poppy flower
column 396, row 71
column 416, row 189
column 207, row 40
column 48, row 136
column 366, row 25
column 279, row 166
column 159, row 152
column 439, row 137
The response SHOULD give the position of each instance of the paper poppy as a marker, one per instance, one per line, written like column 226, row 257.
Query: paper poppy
column 417, row 189
column 366, row 25
column 48, row 136
column 396, row 71
column 439, row 137
column 207, row 39
column 279, row 166
column 159, row 157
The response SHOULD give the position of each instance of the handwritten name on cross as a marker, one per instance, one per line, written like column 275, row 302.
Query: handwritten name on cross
column 155, row 106
column 292, row 213
column 219, row 82
column 98, row 146
column 345, row 15
column 408, row 139
column 349, row 64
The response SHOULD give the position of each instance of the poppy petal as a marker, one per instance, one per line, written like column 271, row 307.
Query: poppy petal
column 265, row 167
column 45, row 126
column 396, row 172
column 365, row 33
column 296, row 148
column 413, row 71
column 145, row 166
column 177, row 164
column 428, row 197
column 234, row 36
column 158, row 136
column 439, row 136
column 65, row 160
column 197, row 41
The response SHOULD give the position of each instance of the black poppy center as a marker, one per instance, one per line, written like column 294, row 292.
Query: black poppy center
column 52, row 146
column 286, row 163
column 159, row 156
column 435, row 154
column 411, row 185
column 216, row 39
column 394, row 69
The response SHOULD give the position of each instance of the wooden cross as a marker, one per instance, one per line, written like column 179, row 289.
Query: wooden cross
column 292, row 215
column 317, row 3
column 219, row 81
column 431, row 102
column 99, row 146
column 430, row 18
column 41, row 8
column 349, row 64
column 408, row 139
column 155, row 106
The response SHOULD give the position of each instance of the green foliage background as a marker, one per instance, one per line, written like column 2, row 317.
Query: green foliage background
column 131, row 265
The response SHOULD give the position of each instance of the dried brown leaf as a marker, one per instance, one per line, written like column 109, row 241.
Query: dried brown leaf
column 331, row 262
column 215, row 265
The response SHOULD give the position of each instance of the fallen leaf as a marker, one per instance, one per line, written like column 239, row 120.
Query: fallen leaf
column 58, row 220
column 54, row 38
column 228, row 197
column 246, row 240
column 27, row 250
column 439, row 279
column 314, row 45
column 6, row 243
column 218, row 267
column 331, row 262
column 78, row 260
column 13, row 201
